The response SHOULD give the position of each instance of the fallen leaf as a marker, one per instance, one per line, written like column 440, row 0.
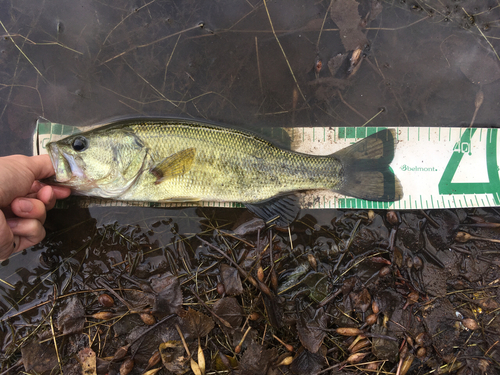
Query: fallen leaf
column 306, row 362
column 88, row 361
column 169, row 296
column 311, row 328
column 39, row 358
column 256, row 360
column 197, row 323
column 71, row 319
column 174, row 357
column 230, row 310
column 231, row 280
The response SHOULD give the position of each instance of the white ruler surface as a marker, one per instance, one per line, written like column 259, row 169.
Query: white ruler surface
column 438, row 167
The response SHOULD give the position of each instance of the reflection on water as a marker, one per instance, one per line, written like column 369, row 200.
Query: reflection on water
column 222, row 61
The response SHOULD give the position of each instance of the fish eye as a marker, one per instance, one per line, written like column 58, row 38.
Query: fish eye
column 80, row 144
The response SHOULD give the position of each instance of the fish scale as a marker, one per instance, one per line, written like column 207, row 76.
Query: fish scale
column 229, row 165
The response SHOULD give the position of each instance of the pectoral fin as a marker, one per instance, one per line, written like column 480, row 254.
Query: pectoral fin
column 174, row 165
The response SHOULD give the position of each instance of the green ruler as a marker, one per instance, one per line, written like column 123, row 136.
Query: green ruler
column 438, row 167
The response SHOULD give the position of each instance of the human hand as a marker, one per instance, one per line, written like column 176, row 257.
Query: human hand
column 24, row 201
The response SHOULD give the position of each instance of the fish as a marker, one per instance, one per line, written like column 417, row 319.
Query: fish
column 174, row 160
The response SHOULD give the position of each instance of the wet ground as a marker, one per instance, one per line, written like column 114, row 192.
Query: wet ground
column 348, row 291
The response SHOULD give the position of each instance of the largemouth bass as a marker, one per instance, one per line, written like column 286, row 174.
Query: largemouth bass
column 177, row 160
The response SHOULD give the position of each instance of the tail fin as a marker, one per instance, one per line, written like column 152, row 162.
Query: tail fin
column 366, row 168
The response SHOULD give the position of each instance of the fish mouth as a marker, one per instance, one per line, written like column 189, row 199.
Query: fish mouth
column 65, row 166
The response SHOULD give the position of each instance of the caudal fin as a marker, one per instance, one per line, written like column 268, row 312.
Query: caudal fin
column 367, row 174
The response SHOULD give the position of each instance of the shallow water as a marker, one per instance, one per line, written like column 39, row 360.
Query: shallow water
column 422, row 65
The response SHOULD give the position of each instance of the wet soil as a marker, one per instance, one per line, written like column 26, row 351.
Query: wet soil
column 339, row 291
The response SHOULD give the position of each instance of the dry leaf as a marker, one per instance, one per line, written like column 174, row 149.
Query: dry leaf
column 197, row 323
column 88, row 361
column 311, row 328
column 71, row 319
column 169, row 296
column 174, row 357
column 230, row 310
column 256, row 360
column 231, row 280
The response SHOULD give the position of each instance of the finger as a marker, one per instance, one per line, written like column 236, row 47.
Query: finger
column 41, row 166
column 6, row 238
column 47, row 197
column 29, row 208
column 61, row 192
column 27, row 232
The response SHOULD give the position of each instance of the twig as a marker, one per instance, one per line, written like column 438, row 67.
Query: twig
column 284, row 54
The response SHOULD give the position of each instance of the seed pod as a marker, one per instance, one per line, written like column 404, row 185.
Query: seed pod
column 260, row 273
column 409, row 340
column 103, row 315
column 404, row 351
column 423, row 339
column 127, row 366
column 371, row 319
column 384, row 271
column 360, row 345
column 154, row 359
column 254, row 316
column 462, row 237
column 470, row 324
column 348, row 331
column 356, row 357
column 409, row 262
column 392, row 218
column 406, row 364
column 412, row 297
column 312, row 261
column 372, row 366
column 221, row 289
column 421, row 353
column 375, row 307
column 106, row 300
column 274, row 280
column 286, row 361
column 121, row 352
column 147, row 318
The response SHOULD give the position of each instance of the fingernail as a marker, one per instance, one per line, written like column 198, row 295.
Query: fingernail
column 25, row 205
column 12, row 223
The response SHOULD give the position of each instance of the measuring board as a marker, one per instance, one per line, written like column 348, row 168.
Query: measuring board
column 438, row 167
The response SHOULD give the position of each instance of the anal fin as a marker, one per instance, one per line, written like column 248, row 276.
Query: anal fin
column 281, row 210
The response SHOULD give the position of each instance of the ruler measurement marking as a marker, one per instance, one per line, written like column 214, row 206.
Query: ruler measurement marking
column 349, row 135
